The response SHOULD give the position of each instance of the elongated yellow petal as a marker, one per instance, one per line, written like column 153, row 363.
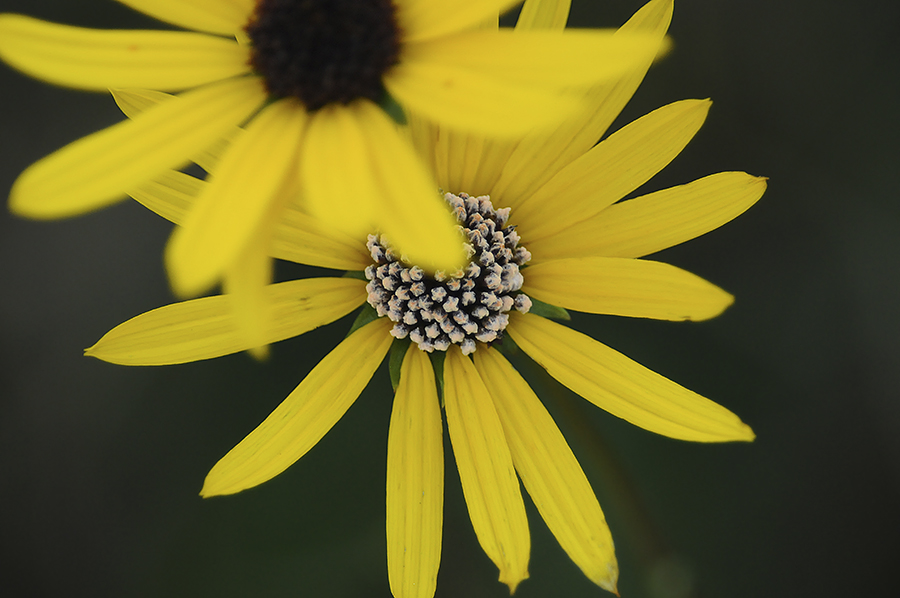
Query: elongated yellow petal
column 550, row 472
column 134, row 102
column 339, row 186
column 540, row 156
column 361, row 177
column 237, row 199
column 215, row 16
column 423, row 19
column 474, row 101
column 415, row 481
column 548, row 59
column 305, row 416
column 653, row 222
column 206, row 328
column 474, row 164
column 302, row 239
column 414, row 217
column 246, row 281
column 625, row 287
column 297, row 236
column 486, row 469
column 623, row 387
column 97, row 59
column 171, row 194
column 98, row 169
column 613, row 168
column 543, row 14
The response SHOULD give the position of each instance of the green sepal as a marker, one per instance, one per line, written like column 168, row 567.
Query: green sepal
column 393, row 109
column 437, row 362
column 507, row 346
column 366, row 315
column 357, row 274
column 395, row 360
column 539, row 308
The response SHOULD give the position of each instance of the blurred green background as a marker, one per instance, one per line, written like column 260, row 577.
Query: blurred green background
column 101, row 464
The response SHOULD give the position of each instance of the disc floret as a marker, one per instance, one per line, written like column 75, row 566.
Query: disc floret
column 457, row 308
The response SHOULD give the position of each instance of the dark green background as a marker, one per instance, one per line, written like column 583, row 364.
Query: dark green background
column 100, row 465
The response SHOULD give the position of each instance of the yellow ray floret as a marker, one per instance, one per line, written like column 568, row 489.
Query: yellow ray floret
column 550, row 472
column 486, row 470
column 415, row 481
column 623, row 387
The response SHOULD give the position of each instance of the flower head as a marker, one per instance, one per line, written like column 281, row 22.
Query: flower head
column 311, row 81
column 528, row 260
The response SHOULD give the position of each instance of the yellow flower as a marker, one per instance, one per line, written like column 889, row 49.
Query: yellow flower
column 308, row 78
column 566, row 241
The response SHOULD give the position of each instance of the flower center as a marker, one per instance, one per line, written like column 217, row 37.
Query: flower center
column 462, row 307
column 324, row 51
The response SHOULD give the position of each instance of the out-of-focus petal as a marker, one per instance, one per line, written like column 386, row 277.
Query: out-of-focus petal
column 225, row 17
column 240, row 194
column 541, row 155
column 474, row 101
column 99, row 59
column 423, row 19
column 133, row 102
column 297, row 236
column 362, row 177
column 538, row 58
column 97, row 170
column 543, row 14
column 305, row 416
column 246, row 281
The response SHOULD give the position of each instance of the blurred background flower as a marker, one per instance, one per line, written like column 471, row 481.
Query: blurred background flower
column 102, row 464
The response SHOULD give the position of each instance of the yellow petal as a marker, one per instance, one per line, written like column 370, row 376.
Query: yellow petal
column 543, row 14
column 133, row 102
column 246, row 281
column 653, row 222
column 215, row 16
column 612, row 169
column 302, row 239
column 538, row 58
column 360, row 175
column 171, row 194
column 339, row 187
column 422, row 19
column 297, row 236
column 98, row 169
column 550, row 472
column 474, row 101
column 625, row 287
column 539, row 156
column 415, row 481
column 206, row 328
column 623, row 387
column 99, row 59
column 239, row 196
column 414, row 217
column 486, row 469
column 305, row 416
column 494, row 155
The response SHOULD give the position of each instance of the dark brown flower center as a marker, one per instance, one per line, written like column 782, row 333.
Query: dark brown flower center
column 324, row 51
